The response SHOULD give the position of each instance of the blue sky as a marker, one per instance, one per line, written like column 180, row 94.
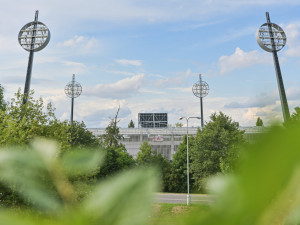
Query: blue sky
column 146, row 55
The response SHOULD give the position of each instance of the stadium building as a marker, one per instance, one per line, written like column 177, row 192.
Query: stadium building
column 153, row 127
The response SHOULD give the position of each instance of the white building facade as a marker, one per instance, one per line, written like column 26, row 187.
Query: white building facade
column 163, row 140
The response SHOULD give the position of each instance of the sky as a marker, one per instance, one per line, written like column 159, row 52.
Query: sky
column 145, row 56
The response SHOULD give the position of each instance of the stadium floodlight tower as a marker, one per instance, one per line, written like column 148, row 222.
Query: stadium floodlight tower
column 33, row 37
column 73, row 90
column 272, row 38
column 200, row 90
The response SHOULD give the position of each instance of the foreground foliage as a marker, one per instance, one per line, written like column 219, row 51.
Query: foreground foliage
column 43, row 181
column 263, row 190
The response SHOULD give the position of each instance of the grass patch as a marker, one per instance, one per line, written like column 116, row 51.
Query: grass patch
column 166, row 213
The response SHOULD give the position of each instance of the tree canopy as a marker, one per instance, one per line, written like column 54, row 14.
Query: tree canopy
column 2, row 101
column 112, row 135
column 131, row 124
column 215, row 148
column 178, row 124
column 295, row 117
column 178, row 175
column 259, row 122
column 20, row 123
column 147, row 157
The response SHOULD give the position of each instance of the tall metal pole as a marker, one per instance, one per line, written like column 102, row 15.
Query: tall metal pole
column 30, row 60
column 72, row 99
column 200, row 90
column 283, row 99
column 201, row 101
column 73, row 89
column 72, row 109
column 188, row 197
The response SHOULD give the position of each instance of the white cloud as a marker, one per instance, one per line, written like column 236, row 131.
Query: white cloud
column 119, row 72
column 121, row 89
column 233, row 34
column 172, row 81
column 73, row 64
column 73, row 42
column 82, row 43
column 240, row 59
column 128, row 62
column 293, row 40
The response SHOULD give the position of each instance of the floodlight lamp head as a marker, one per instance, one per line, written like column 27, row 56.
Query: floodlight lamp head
column 34, row 36
column 200, row 89
column 180, row 118
column 270, row 37
column 73, row 89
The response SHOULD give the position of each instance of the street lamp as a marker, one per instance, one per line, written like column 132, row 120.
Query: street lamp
column 188, row 197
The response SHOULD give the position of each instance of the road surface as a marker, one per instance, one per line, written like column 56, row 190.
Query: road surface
column 201, row 199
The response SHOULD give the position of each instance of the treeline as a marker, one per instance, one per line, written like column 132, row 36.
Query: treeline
column 213, row 150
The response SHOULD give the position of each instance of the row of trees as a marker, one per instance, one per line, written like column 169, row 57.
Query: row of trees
column 212, row 150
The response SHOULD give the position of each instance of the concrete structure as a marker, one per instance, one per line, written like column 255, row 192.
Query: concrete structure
column 164, row 140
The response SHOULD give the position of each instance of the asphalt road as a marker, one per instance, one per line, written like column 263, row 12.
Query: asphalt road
column 201, row 199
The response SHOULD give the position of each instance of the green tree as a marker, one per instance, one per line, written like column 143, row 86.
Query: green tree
column 20, row 123
column 116, row 160
column 81, row 137
column 146, row 157
column 215, row 148
column 2, row 102
column 112, row 135
column 131, row 124
column 295, row 117
column 177, row 182
column 178, row 124
column 259, row 122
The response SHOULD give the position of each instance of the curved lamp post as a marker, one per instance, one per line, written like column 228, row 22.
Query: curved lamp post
column 33, row 37
column 188, row 197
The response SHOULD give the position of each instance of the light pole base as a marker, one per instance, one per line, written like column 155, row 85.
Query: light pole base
column 188, row 199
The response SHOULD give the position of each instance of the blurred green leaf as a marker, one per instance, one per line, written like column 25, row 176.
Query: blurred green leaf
column 46, row 149
column 26, row 173
column 81, row 162
column 125, row 199
column 265, row 187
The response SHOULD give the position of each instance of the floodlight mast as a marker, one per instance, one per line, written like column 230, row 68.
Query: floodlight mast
column 73, row 90
column 30, row 60
column 200, row 90
column 33, row 37
column 283, row 99
column 275, row 33
column 201, row 103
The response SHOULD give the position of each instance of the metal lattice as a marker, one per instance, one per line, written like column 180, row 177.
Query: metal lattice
column 264, row 37
column 73, row 89
column 34, row 36
column 200, row 90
